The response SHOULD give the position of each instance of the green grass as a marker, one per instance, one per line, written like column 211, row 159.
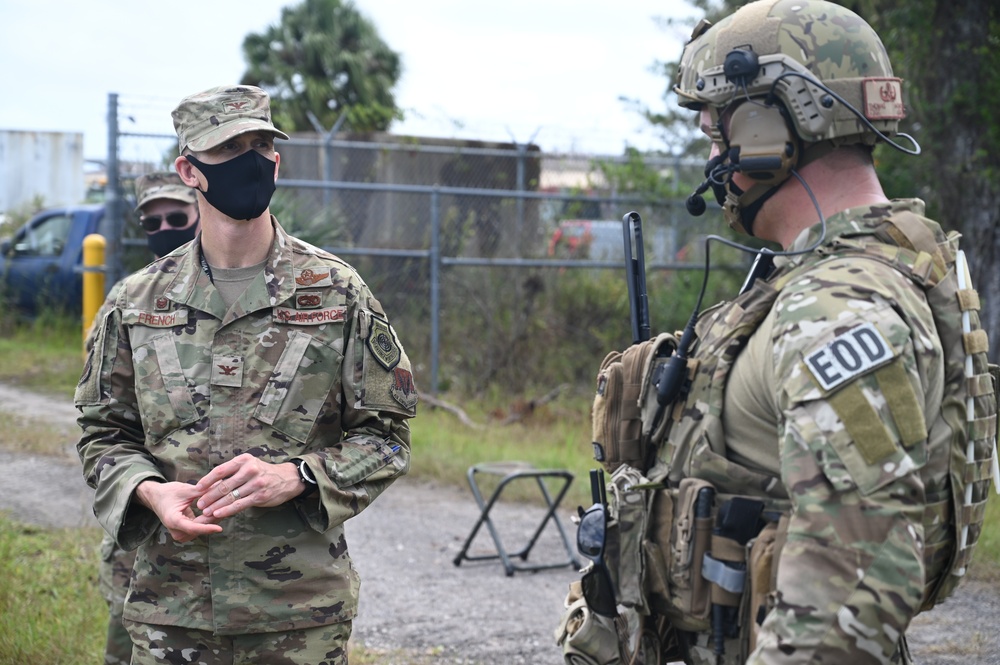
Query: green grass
column 45, row 355
column 50, row 608
column 23, row 434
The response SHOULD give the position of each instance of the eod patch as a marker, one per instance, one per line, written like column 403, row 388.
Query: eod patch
column 848, row 355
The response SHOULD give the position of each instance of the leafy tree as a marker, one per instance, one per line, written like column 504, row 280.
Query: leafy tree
column 948, row 53
column 326, row 58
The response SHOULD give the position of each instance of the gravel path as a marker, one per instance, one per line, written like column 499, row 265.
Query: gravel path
column 414, row 598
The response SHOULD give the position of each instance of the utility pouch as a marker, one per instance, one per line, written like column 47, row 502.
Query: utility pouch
column 763, row 577
column 678, row 536
column 656, row 548
column 586, row 638
column 606, row 413
column 617, row 425
column 625, row 554
column 653, row 371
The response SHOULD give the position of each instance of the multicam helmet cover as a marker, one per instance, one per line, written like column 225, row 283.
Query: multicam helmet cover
column 819, row 63
column 798, row 41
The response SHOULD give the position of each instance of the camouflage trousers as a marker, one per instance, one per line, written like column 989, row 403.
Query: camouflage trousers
column 118, row 648
column 177, row 645
column 113, row 578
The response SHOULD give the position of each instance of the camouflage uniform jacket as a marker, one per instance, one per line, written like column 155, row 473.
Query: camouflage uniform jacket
column 862, row 410
column 304, row 364
column 116, row 563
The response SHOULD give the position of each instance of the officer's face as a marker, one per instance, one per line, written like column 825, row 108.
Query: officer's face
column 262, row 142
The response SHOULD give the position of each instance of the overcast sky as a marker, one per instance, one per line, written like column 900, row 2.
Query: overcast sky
column 548, row 70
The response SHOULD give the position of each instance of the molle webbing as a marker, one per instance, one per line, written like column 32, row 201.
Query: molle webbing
column 909, row 232
column 981, row 384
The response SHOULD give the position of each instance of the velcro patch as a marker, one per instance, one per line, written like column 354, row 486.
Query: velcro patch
column 310, row 277
column 382, row 344
column 402, row 389
column 883, row 99
column 849, row 355
column 140, row 317
column 237, row 106
column 309, row 317
column 227, row 371
column 308, row 300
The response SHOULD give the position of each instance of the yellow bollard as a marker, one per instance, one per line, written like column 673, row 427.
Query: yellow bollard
column 93, row 279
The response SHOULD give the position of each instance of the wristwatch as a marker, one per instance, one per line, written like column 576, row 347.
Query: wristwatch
column 305, row 475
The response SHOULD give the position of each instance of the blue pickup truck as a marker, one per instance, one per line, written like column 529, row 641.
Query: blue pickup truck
column 40, row 266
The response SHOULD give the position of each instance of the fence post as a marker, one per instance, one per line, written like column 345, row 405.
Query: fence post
column 435, row 275
column 327, row 153
column 113, row 197
column 522, row 152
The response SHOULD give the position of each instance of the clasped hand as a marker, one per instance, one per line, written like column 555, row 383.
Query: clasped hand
column 226, row 490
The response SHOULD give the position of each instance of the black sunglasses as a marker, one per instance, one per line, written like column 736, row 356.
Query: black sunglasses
column 591, row 534
column 152, row 223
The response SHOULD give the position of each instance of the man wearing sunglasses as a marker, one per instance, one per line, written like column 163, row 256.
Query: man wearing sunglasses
column 245, row 396
column 168, row 213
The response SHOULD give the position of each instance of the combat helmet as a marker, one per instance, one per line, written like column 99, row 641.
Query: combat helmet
column 799, row 77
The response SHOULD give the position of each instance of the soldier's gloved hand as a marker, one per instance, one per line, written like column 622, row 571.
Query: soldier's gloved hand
column 246, row 481
column 172, row 504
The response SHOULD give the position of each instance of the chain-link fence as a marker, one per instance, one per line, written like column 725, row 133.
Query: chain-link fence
column 490, row 258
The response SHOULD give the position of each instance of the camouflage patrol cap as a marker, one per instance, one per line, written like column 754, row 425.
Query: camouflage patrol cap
column 207, row 119
column 797, row 43
column 162, row 185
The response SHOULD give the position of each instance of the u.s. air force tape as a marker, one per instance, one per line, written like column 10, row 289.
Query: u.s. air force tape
column 849, row 355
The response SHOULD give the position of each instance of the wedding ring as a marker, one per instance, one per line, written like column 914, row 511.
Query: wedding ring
column 236, row 494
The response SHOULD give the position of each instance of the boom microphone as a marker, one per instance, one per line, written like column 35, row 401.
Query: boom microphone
column 695, row 203
column 716, row 171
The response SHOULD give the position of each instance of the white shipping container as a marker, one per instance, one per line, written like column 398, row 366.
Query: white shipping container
column 45, row 164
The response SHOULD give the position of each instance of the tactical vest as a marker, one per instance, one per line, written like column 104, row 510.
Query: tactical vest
column 691, row 452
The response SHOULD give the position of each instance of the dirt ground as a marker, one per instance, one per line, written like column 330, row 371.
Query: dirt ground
column 414, row 598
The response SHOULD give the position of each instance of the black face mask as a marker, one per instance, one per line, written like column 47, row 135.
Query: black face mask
column 163, row 242
column 240, row 188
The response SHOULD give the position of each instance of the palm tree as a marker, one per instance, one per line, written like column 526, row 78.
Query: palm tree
column 326, row 58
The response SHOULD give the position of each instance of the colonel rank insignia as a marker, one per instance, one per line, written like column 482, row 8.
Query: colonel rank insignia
column 382, row 344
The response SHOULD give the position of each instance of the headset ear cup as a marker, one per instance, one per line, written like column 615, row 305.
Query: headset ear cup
column 767, row 147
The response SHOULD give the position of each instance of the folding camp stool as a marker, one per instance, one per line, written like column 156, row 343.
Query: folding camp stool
column 509, row 472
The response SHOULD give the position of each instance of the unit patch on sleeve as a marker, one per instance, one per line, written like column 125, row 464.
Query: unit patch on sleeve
column 849, row 355
column 382, row 344
column 402, row 389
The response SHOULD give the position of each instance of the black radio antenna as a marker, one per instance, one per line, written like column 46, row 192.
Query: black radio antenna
column 635, row 271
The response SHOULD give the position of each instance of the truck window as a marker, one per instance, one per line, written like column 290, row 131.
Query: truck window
column 47, row 237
